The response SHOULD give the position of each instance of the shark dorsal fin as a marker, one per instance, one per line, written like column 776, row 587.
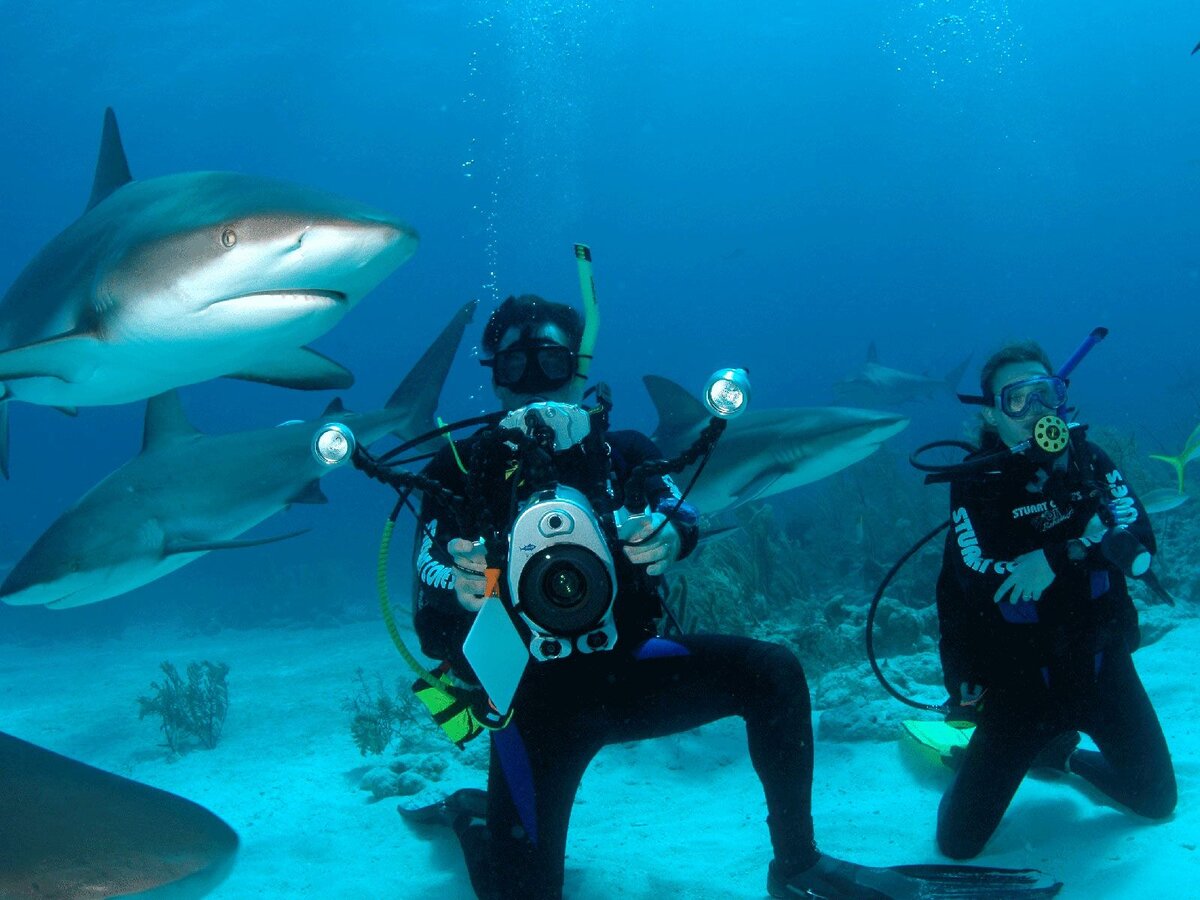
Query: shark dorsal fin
column 422, row 387
column 678, row 410
column 165, row 421
column 112, row 169
column 335, row 406
column 872, row 353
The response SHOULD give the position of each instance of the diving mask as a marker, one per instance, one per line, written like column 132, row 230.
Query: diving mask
column 1017, row 400
column 529, row 367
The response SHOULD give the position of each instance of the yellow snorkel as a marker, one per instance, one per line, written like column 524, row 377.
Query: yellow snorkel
column 591, row 310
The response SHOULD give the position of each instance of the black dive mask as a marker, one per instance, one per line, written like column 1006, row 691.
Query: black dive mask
column 532, row 367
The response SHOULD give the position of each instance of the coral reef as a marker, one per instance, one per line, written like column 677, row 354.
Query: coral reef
column 192, row 711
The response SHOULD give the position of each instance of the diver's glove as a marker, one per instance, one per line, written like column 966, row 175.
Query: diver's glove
column 837, row 879
column 1030, row 576
column 470, row 583
column 659, row 551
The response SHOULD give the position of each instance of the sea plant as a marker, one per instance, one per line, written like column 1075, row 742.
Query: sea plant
column 192, row 709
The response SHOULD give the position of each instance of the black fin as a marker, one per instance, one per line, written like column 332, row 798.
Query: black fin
column 112, row 169
column 471, row 802
column 335, row 406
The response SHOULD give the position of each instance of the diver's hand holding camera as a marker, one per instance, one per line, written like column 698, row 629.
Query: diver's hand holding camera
column 470, row 583
column 651, row 543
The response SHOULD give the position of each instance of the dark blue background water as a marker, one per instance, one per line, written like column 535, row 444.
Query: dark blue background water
column 770, row 184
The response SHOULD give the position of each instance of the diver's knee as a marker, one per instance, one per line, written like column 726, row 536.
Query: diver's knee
column 954, row 838
column 1160, row 804
column 779, row 665
column 956, row 845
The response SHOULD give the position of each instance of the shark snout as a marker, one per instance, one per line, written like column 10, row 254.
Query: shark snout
column 348, row 257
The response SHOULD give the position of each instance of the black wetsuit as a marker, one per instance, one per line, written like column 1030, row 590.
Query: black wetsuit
column 565, row 711
column 1061, row 663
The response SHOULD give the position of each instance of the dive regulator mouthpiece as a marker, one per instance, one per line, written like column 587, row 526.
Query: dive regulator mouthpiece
column 727, row 393
column 333, row 444
column 1051, row 434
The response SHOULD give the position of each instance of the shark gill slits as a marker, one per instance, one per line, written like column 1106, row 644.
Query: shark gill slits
column 228, row 238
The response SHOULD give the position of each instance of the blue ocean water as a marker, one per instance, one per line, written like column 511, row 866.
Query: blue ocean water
column 771, row 184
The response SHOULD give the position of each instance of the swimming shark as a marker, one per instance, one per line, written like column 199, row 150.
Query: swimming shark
column 188, row 493
column 177, row 279
column 764, row 452
column 68, row 830
column 879, row 385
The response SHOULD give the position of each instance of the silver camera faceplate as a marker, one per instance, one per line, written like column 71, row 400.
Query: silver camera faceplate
column 560, row 517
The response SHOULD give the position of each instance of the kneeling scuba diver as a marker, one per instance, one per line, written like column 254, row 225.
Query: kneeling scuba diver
column 552, row 596
column 1037, row 625
column 1054, row 442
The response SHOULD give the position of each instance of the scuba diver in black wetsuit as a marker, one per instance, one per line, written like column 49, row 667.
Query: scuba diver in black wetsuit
column 566, row 710
column 1037, row 625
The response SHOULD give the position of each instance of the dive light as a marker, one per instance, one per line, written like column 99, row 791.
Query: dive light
column 727, row 393
column 333, row 444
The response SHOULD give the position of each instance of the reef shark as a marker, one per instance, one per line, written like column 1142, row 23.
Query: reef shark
column 181, row 278
column 68, row 830
column 879, row 385
column 189, row 493
column 765, row 452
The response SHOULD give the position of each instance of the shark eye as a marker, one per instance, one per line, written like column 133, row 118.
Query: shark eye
column 228, row 237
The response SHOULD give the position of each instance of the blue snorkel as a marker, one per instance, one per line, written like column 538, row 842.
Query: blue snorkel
column 1065, row 370
column 1097, row 335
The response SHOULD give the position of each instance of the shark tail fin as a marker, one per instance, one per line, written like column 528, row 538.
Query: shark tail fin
column 1175, row 462
column 3, row 434
column 954, row 376
column 112, row 169
column 421, row 388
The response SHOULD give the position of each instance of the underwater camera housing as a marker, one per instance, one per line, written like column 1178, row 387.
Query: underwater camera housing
column 561, row 578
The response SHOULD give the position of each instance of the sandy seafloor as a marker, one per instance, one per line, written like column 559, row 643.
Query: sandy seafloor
column 677, row 817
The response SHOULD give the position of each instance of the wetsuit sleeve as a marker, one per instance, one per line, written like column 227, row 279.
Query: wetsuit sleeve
column 1119, row 495
column 439, row 619
column 964, row 647
column 976, row 530
column 661, row 491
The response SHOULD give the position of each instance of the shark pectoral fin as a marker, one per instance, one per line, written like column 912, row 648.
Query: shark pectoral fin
column 68, row 357
column 301, row 368
column 310, row 493
column 757, row 486
column 71, row 411
column 181, row 545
